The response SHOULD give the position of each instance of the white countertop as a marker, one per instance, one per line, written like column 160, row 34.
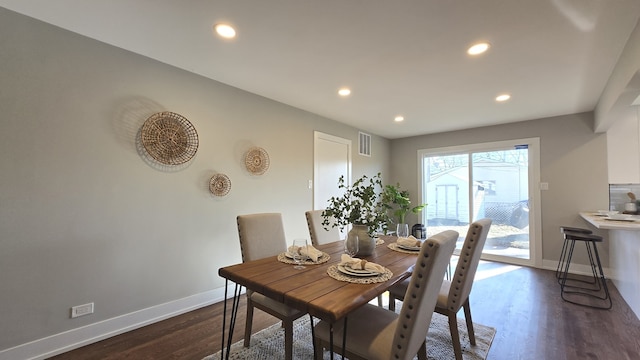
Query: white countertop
column 603, row 222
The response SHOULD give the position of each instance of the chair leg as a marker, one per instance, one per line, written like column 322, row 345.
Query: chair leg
column 392, row 302
column 422, row 352
column 248, row 323
column 467, row 317
column 455, row 337
column 288, row 339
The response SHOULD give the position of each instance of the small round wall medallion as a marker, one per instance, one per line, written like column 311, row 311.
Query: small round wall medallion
column 257, row 160
column 220, row 185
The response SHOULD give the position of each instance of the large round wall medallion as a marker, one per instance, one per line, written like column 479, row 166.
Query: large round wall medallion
column 256, row 160
column 169, row 138
column 220, row 185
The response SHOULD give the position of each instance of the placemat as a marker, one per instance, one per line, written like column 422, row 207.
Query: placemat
column 336, row 274
column 394, row 247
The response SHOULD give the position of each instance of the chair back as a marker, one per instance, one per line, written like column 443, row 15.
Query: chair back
column 467, row 264
column 422, row 294
column 317, row 231
column 261, row 235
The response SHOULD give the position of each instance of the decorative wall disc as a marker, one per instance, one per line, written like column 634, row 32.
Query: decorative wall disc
column 257, row 160
column 220, row 185
column 169, row 138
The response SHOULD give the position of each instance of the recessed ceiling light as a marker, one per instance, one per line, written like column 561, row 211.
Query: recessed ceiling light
column 344, row 92
column 398, row 118
column 478, row 48
column 503, row 97
column 226, row 31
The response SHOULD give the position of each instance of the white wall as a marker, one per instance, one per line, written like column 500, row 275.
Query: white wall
column 84, row 218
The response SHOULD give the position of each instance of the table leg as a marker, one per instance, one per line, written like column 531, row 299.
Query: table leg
column 344, row 337
column 232, row 321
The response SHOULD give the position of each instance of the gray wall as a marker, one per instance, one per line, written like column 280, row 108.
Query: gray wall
column 573, row 160
column 85, row 218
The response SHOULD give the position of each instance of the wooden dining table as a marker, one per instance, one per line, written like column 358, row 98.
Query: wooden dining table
column 311, row 289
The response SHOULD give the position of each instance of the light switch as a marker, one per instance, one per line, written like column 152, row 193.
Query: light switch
column 544, row 186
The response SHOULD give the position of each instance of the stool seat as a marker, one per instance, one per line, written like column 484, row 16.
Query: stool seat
column 563, row 253
column 596, row 287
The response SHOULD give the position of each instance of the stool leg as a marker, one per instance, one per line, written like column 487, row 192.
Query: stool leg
column 603, row 280
column 561, row 261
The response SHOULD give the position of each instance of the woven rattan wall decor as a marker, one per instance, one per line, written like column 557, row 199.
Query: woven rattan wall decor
column 220, row 185
column 256, row 160
column 169, row 138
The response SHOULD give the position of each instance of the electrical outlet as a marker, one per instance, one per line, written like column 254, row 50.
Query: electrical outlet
column 310, row 184
column 544, row 186
column 81, row 310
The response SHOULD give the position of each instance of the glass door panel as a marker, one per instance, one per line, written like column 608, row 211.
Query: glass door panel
column 463, row 187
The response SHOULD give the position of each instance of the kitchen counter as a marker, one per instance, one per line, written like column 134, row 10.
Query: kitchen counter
column 602, row 222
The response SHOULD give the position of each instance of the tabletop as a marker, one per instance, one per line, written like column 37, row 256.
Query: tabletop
column 311, row 289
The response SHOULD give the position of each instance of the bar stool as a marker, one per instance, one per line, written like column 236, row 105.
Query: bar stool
column 592, row 288
column 563, row 253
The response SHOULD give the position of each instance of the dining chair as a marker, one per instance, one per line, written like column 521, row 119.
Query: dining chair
column 374, row 333
column 454, row 294
column 262, row 235
column 319, row 235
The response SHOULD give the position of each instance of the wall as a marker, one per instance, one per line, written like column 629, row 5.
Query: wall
column 573, row 160
column 85, row 218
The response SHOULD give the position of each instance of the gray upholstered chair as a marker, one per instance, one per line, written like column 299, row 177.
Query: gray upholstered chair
column 374, row 333
column 317, row 231
column 262, row 235
column 454, row 294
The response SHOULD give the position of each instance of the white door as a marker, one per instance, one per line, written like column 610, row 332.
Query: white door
column 331, row 159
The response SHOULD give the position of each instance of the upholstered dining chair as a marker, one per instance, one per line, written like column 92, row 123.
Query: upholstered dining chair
column 317, row 231
column 262, row 235
column 374, row 333
column 454, row 294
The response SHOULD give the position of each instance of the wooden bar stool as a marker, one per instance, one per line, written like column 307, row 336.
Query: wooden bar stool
column 595, row 288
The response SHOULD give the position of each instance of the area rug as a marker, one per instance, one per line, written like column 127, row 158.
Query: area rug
column 269, row 343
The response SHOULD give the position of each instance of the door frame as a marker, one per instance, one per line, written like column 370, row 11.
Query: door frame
column 535, row 216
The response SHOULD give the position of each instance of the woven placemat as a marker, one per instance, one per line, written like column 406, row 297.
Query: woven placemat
column 394, row 247
column 322, row 259
column 336, row 274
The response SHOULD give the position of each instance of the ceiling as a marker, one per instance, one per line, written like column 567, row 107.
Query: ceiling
column 401, row 57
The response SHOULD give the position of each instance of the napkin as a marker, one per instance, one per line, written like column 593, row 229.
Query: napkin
column 409, row 241
column 360, row 264
column 313, row 253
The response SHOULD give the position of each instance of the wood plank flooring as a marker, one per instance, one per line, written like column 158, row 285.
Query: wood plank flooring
column 523, row 304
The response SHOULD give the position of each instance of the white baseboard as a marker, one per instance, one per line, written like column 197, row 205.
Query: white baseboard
column 75, row 338
column 577, row 269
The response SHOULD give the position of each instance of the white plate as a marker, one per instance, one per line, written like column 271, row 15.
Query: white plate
column 625, row 219
column 410, row 248
column 621, row 217
column 356, row 272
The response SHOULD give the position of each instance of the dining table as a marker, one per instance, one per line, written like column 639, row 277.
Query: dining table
column 315, row 289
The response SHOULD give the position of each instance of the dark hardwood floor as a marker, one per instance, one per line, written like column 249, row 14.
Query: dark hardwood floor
column 523, row 304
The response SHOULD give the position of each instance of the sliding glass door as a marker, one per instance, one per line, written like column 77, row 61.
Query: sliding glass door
column 467, row 183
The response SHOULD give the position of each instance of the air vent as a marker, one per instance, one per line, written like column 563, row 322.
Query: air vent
column 364, row 144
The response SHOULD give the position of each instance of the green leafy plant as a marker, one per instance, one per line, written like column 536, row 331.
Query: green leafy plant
column 361, row 204
column 397, row 201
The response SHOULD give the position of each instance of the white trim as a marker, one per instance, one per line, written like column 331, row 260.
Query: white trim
column 75, row 338
column 577, row 269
